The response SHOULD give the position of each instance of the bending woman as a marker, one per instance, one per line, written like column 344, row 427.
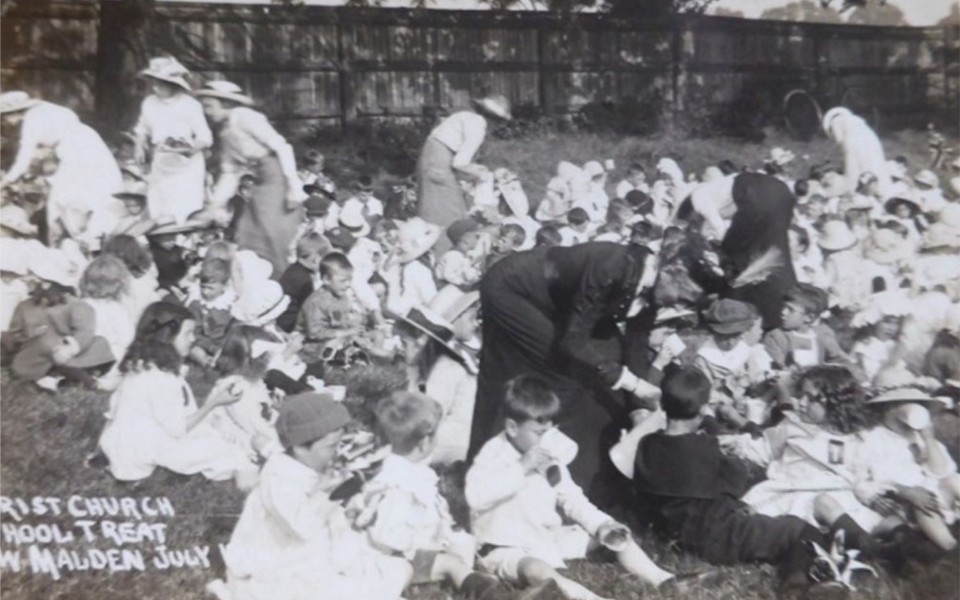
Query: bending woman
column 553, row 312
column 450, row 148
column 81, row 203
column 249, row 144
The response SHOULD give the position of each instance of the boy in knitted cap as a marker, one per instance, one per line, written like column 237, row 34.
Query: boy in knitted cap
column 292, row 539
column 459, row 265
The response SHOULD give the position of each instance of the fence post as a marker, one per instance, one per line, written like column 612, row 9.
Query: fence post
column 348, row 101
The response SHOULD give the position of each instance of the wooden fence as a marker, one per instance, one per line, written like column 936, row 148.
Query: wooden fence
column 310, row 64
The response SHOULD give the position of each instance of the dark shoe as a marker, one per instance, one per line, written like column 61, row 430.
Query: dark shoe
column 684, row 584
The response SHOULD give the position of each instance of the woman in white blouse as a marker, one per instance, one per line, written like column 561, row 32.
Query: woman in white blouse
column 250, row 144
column 81, row 203
column 449, row 149
column 174, row 131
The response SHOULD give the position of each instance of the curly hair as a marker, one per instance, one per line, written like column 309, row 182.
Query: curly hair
column 842, row 396
column 105, row 277
column 159, row 326
column 236, row 356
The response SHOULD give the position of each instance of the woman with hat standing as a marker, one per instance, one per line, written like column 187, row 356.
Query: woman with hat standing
column 174, row 132
column 249, row 144
column 862, row 150
column 553, row 312
column 450, row 149
column 80, row 203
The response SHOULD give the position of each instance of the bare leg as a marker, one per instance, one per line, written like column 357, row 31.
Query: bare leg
column 636, row 561
column 534, row 571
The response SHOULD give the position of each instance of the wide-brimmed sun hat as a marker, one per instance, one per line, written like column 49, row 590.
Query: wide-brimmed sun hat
column 224, row 90
column 133, row 190
column 886, row 247
column 416, row 238
column 855, row 202
column 352, row 219
column 832, row 114
column 11, row 102
column 927, row 177
column 168, row 69
column 64, row 265
column 496, row 105
column 259, row 305
column 837, row 236
column 891, row 205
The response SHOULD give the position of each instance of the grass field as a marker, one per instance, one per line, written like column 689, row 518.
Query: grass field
column 44, row 438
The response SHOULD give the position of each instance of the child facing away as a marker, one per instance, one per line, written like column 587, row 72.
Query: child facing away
column 802, row 340
column 210, row 302
column 333, row 317
column 733, row 359
column 154, row 421
column 241, row 364
column 521, row 495
column 302, row 277
column 577, row 229
column 292, row 540
column 693, row 490
column 459, row 266
column 401, row 510
column 910, row 471
column 144, row 288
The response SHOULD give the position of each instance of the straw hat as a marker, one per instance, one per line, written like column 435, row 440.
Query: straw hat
column 885, row 247
column 496, row 105
column 832, row 114
column 247, row 270
column 62, row 265
column 19, row 255
column 781, row 156
column 437, row 317
column 132, row 189
column 837, row 236
column 167, row 69
column 416, row 238
column 14, row 218
column 927, row 177
column 889, row 303
column 11, row 102
column 224, row 90
column 902, row 394
column 351, row 219
column 259, row 304
column 855, row 202
column 891, row 205
column 186, row 227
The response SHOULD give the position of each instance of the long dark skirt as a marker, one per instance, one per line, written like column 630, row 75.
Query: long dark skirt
column 439, row 198
column 519, row 336
column 265, row 226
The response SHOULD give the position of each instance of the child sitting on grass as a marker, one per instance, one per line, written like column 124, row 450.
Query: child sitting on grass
column 733, row 359
column 577, row 229
column 802, row 340
column 879, row 326
column 333, row 316
column 459, row 266
column 301, row 278
column 521, row 495
column 693, row 491
column 509, row 241
column 636, row 179
column 210, row 303
column 401, row 509
column 153, row 420
column 292, row 540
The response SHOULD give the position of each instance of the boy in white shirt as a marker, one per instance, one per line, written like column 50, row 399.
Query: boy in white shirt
column 520, row 495
column 636, row 179
column 459, row 265
column 292, row 539
column 364, row 200
column 577, row 231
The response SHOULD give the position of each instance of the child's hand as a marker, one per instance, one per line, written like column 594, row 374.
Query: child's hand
column 536, row 460
column 229, row 395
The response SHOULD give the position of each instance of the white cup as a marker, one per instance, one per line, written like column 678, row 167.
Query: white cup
column 559, row 446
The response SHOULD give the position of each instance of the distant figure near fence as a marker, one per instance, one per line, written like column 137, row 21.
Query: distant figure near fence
column 862, row 150
column 450, row 147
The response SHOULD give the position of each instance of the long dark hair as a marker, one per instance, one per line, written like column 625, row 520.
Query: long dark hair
column 842, row 396
column 236, row 353
column 159, row 325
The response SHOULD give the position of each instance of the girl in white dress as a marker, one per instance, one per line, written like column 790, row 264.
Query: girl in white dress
column 174, row 132
column 153, row 420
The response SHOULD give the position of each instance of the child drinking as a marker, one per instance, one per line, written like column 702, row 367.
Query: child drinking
column 521, row 495
column 153, row 420
column 292, row 540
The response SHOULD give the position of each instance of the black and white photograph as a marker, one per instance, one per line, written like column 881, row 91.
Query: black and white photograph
column 480, row 299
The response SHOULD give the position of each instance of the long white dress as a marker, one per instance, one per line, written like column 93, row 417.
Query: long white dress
column 176, row 182
column 85, row 180
column 147, row 428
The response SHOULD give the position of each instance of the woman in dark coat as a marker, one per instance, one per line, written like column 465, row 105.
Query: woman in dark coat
column 760, row 209
column 553, row 312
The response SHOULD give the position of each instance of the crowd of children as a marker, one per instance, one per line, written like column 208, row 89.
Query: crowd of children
column 837, row 405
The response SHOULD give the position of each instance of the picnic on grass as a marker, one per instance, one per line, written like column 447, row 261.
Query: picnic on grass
column 654, row 380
